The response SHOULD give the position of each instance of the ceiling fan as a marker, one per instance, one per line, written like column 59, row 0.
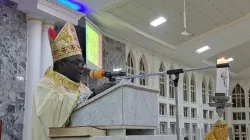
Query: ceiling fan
column 185, row 32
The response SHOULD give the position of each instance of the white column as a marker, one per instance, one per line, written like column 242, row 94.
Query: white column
column 46, row 56
column 34, row 32
column 229, row 114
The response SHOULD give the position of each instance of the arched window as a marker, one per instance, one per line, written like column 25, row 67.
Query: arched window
column 193, row 89
column 249, row 99
column 185, row 87
column 130, row 65
column 204, row 97
column 171, row 87
column 238, row 96
column 162, row 81
column 210, row 90
column 240, row 131
column 143, row 80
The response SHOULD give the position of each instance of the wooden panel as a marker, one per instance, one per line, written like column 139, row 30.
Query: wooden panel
column 76, row 132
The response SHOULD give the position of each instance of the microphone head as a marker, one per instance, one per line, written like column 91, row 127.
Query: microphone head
column 96, row 74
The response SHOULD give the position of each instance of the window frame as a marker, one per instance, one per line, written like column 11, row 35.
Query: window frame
column 193, row 89
column 172, row 110
column 185, row 88
column 162, row 82
column 238, row 97
column 193, row 113
column 165, row 128
column 172, row 130
column 142, row 70
column 204, row 91
column 162, row 109
column 130, row 66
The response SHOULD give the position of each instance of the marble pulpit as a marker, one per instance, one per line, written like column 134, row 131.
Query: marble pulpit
column 124, row 112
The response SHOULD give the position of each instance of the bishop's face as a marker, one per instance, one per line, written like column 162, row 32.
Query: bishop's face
column 74, row 68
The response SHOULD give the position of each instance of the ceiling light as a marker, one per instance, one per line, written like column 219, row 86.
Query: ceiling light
column 20, row 78
column 158, row 21
column 185, row 33
column 118, row 69
column 222, row 61
column 202, row 49
column 230, row 59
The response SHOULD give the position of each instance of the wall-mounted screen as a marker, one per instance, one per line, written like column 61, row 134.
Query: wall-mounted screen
column 93, row 47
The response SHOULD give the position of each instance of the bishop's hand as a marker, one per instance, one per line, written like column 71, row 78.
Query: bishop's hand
column 102, row 88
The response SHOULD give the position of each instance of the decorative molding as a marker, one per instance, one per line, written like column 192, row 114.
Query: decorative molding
column 57, row 5
column 59, row 10
column 48, row 24
column 32, row 16
column 34, row 19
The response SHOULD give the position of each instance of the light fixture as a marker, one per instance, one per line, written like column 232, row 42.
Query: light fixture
column 118, row 69
column 202, row 49
column 185, row 33
column 73, row 4
column 221, row 60
column 20, row 78
column 158, row 21
column 230, row 59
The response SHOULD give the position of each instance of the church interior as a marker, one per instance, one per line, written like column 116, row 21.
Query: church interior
column 173, row 88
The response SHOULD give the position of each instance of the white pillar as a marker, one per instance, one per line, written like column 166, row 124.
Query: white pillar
column 46, row 56
column 229, row 114
column 34, row 32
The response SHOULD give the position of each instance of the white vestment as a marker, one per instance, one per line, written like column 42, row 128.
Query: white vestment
column 54, row 100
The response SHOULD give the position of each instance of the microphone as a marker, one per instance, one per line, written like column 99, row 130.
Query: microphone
column 100, row 74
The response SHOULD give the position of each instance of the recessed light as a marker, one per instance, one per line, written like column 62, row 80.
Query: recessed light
column 202, row 49
column 158, row 21
column 118, row 69
column 20, row 78
column 230, row 59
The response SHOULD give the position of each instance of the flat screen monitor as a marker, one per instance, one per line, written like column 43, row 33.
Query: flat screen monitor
column 93, row 47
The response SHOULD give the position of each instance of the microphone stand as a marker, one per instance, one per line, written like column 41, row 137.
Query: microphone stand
column 111, row 76
column 174, row 75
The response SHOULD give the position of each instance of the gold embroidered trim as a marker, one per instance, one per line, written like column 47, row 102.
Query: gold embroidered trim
column 65, row 44
column 48, row 24
column 62, row 80
column 218, row 132
column 34, row 19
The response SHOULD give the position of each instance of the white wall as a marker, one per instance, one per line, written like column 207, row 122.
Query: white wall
column 153, row 63
column 245, row 84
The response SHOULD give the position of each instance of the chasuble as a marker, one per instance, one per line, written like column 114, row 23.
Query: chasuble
column 54, row 100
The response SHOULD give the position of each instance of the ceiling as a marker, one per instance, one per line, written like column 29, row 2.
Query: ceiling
column 202, row 16
column 223, row 25
column 241, row 55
